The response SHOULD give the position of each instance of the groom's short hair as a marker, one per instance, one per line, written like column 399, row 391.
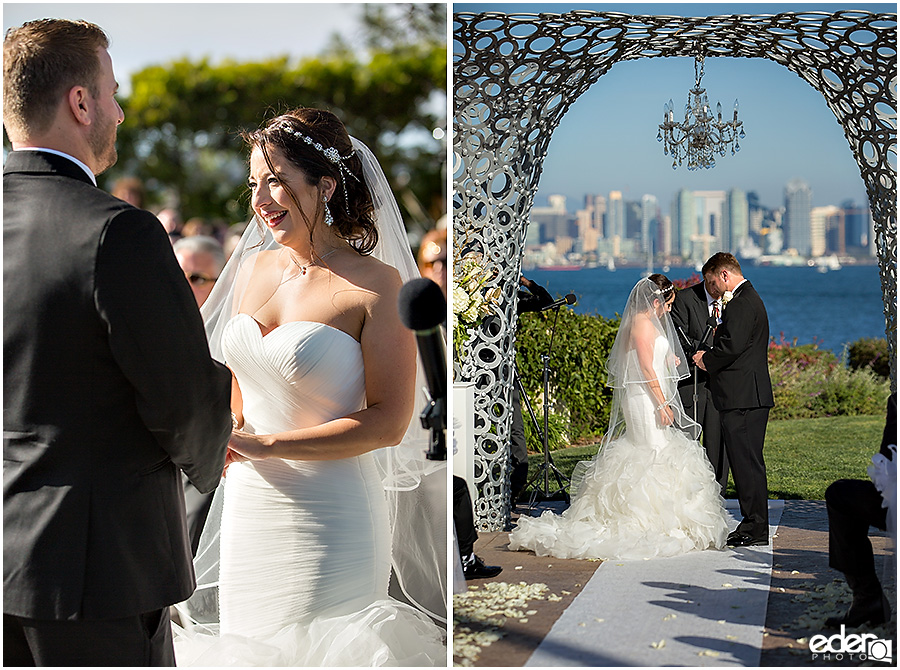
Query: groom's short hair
column 42, row 61
column 722, row 261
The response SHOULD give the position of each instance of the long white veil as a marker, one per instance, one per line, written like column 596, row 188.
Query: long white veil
column 415, row 488
column 623, row 369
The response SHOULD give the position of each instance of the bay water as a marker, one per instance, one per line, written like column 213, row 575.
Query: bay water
column 833, row 308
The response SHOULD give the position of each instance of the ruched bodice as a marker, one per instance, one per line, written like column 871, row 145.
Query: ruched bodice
column 300, row 374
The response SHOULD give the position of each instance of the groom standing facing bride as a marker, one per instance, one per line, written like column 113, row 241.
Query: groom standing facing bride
column 108, row 385
column 741, row 390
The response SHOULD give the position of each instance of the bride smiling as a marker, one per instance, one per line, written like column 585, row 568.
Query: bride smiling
column 327, row 500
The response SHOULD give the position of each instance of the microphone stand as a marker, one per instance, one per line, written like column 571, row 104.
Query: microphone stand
column 548, row 464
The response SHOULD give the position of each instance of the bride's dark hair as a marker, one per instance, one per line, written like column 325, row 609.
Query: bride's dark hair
column 665, row 285
column 351, row 204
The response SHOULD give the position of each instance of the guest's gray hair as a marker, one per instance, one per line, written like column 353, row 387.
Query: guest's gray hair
column 202, row 244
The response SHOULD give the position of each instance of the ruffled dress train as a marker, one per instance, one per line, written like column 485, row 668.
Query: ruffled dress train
column 648, row 493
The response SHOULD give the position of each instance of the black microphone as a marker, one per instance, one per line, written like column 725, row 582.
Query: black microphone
column 568, row 300
column 423, row 309
column 685, row 340
column 711, row 325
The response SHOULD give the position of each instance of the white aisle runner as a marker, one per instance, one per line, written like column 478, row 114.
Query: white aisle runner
column 706, row 608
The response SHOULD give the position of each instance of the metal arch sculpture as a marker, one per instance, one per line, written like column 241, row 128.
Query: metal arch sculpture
column 515, row 77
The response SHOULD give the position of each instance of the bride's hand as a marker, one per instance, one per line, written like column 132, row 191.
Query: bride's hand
column 666, row 415
column 246, row 447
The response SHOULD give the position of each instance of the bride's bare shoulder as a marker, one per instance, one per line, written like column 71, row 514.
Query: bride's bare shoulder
column 375, row 276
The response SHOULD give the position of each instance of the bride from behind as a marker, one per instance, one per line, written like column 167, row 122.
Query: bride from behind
column 319, row 512
column 649, row 491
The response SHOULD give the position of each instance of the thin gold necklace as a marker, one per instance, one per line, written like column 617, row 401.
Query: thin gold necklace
column 304, row 268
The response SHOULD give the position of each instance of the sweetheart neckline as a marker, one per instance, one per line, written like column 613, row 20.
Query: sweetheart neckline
column 288, row 323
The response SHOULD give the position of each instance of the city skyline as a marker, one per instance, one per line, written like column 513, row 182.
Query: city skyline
column 609, row 226
column 607, row 139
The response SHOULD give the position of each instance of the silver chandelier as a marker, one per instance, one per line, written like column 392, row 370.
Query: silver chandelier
column 701, row 136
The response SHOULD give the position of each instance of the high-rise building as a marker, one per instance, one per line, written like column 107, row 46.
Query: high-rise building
column 821, row 219
column 710, row 206
column 666, row 240
column 597, row 205
column 797, row 205
column 649, row 220
column 615, row 216
column 554, row 221
column 684, row 222
column 735, row 221
column 856, row 226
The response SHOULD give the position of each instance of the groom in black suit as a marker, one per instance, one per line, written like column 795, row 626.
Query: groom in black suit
column 108, row 386
column 741, row 390
column 691, row 312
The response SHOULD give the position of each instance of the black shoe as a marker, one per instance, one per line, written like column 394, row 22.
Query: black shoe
column 476, row 569
column 868, row 609
column 739, row 539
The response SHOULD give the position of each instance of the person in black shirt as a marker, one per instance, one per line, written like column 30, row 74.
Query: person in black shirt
column 532, row 300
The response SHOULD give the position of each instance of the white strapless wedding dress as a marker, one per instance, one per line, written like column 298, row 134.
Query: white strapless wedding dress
column 649, row 493
column 305, row 545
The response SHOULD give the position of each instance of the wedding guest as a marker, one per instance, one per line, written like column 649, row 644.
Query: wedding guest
column 432, row 262
column 233, row 237
column 202, row 259
column 131, row 190
column 853, row 505
column 694, row 306
column 197, row 225
column 432, row 257
column 738, row 367
column 170, row 218
column 467, row 535
column 108, row 386
column 533, row 299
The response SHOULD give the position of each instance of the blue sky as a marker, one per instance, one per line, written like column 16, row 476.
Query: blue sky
column 607, row 140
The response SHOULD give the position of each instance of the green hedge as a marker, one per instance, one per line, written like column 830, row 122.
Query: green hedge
column 578, row 390
column 810, row 382
column 872, row 353
column 807, row 381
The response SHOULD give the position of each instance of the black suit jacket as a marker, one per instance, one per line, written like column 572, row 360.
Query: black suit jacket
column 738, row 363
column 108, row 389
column 690, row 312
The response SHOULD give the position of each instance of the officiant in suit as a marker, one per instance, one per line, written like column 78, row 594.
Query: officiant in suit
column 691, row 312
column 738, row 367
column 108, row 386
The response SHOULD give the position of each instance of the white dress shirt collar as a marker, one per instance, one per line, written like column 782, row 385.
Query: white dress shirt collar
column 64, row 155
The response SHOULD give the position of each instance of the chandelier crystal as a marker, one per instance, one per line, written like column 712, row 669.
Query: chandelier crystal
column 701, row 136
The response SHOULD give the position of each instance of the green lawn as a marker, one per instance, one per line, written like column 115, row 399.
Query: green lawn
column 803, row 456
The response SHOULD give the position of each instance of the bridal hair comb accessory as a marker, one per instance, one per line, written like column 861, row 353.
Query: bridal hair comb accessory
column 332, row 155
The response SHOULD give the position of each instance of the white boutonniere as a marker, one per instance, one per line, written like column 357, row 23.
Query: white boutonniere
column 726, row 298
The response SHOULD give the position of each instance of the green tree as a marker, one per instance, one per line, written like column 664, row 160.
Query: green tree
column 182, row 121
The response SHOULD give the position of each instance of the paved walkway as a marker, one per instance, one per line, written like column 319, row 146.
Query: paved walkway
column 802, row 592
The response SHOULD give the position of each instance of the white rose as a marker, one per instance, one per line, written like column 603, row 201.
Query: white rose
column 726, row 298
column 460, row 300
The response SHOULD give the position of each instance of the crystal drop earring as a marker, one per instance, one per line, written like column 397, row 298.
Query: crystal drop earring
column 329, row 219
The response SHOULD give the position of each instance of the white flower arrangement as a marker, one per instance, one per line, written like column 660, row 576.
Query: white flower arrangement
column 726, row 298
column 471, row 302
